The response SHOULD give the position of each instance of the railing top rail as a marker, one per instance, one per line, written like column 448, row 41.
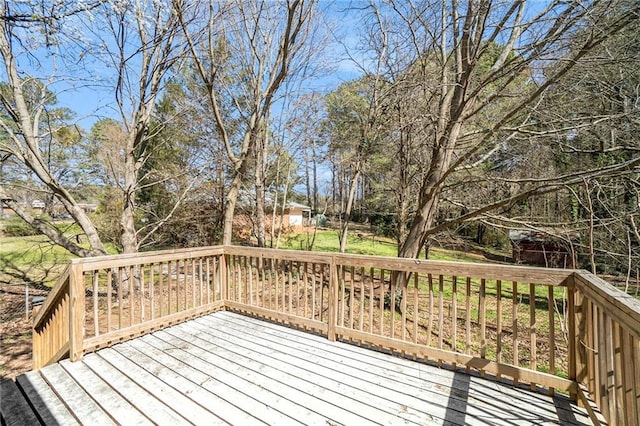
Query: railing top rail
column 119, row 260
column 525, row 274
column 622, row 307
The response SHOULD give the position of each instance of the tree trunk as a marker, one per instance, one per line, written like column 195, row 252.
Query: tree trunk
column 229, row 209
column 284, row 203
column 347, row 211
column 314, row 164
column 128, row 237
column 261, row 154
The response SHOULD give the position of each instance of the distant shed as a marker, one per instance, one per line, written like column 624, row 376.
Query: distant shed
column 296, row 215
column 544, row 248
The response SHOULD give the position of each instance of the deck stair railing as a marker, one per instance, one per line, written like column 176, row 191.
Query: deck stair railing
column 549, row 329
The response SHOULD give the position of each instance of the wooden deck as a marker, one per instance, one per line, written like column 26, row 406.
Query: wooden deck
column 226, row 368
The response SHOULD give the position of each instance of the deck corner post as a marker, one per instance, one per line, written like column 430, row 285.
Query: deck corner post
column 572, row 331
column 332, row 316
column 76, row 312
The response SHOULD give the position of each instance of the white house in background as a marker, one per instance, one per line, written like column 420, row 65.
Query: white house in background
column 296, row 214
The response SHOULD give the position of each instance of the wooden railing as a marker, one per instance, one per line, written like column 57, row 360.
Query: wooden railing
column 608, row 348
column 550, row 329
column 51, row 324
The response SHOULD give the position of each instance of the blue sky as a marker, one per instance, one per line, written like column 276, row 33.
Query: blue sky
column 91, row 100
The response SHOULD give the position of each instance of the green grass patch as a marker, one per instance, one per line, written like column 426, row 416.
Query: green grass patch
column 367, row 244
column 31, row 259
column 34, row 259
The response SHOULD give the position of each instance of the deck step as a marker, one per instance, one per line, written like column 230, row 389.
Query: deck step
column 14, row 408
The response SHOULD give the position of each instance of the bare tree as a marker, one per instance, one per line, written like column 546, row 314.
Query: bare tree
column 472, row 60
column 26, row 136
column 355, row 125
column 141, row 44
column 243, row 53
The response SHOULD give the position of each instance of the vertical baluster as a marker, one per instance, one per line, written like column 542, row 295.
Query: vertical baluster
column 160, row 292
column 280, row 275
column 322, row 291
column 120, row 298
column 440, row 313
column 251, row 284
column 351, row 296
column 454, row 314
column 152, row 292
column 245, row 281
column 416, row 313
column 181, row 285
column 468, row 319
column 514, row 313
column 176, row 286
column 279, row 295
column 482, row 318
column 343, row 292
column 96, row 316
column 142, row 301
column 200, row 281
column 362, row 291
column 313, row 291
column 382, row 285
column 207, row 281
column 306, row 283
column 393, row 276
column 552, row 334
column 403, row 304
column 634, row 344
column 600, row 358
column 217, row 279
column 298, row 296
column 110, row 277
column 289, row 279
column 618, row 371
column 372, row 297
column 533, row 364
column 233, row 284
column 273, row 274
column 430, row 324
column 267, row 271
column 169, row 285
column 260, row 287
column 609, row 369
column 131, row 298
column 591, row 385
column 499, row 322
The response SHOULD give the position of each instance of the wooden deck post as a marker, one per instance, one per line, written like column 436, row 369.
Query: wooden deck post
column 76, row 312
column 333, row 300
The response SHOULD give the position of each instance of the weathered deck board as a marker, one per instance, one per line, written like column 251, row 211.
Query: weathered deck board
column 466, row 399
column 226, row 368
column 46, row 403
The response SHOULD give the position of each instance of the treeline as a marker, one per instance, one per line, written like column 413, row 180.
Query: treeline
column 464, row 118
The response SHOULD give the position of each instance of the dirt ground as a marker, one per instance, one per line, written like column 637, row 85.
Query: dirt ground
column 15, row 331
